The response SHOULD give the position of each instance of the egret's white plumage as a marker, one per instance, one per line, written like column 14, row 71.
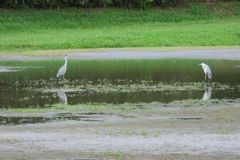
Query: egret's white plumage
column 63, row 69
column 207, row 71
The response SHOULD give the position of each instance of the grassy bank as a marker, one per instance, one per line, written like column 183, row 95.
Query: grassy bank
column 194, row 25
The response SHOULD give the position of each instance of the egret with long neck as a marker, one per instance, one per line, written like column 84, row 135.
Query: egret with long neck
column 63, row 69
column 207, row 71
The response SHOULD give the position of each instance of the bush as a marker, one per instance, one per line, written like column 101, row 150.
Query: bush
column 168, row 3
column 141, row 4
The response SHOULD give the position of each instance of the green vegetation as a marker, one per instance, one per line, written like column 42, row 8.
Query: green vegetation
column 113, row 154
column 142, row 4
column 128, row 107
column 144, row 133
column 194, row 25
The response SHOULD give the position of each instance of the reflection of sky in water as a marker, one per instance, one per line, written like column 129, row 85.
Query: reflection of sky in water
column 116, row 81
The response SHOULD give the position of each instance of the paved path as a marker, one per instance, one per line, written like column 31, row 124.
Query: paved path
column 230, row 54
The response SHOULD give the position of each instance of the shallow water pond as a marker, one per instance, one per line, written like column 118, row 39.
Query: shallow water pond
column 33, row 84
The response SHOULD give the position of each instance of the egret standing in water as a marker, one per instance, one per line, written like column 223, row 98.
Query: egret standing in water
column 207, row 71
column 63, row 69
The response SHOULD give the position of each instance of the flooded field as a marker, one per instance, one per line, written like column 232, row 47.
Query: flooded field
column 33, row 84
column 30, row 84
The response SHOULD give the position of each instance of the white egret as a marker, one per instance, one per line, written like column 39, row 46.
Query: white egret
column 63, row 69
column 207, row 71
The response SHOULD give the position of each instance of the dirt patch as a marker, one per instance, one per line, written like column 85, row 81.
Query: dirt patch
column 179, row 133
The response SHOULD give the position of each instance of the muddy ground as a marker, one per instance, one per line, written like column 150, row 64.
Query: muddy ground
column 153, row 132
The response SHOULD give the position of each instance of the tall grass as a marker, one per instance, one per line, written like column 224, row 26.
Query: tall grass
column 32, row 20
column 195, row 25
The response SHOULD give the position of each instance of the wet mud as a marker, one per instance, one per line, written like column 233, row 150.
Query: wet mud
column 209, row 132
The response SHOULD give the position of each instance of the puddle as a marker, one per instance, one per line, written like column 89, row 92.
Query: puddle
column 14, row 69
column 9, row 69
column 115, row 82
column 189, row 118
column 16, row 120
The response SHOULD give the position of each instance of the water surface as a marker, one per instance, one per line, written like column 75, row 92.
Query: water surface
column 32, row 84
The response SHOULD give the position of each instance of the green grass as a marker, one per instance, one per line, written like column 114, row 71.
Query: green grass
column 130, row 107
column 194, row 25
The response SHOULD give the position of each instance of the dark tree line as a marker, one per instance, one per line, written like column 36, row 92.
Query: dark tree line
column 142, row 4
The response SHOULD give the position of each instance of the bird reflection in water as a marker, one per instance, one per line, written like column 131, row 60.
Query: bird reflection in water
column 62, row 97
column 207, row 94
